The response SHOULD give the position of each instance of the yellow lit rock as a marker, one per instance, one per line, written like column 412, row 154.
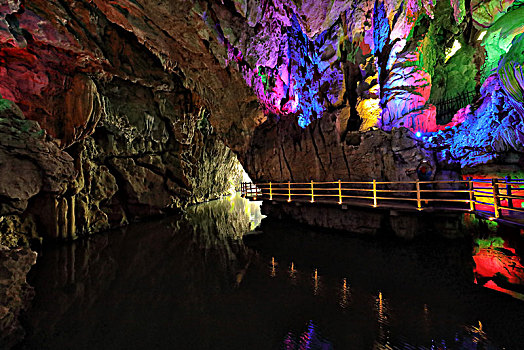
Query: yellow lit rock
column 369, row 111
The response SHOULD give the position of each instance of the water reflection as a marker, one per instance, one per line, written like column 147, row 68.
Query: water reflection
column 293, row 273
column 308, row 340
column 498, row 267
column 383, row 324
column 273, row 267
column 200, row 281
column 316, row 283
column 344, row 294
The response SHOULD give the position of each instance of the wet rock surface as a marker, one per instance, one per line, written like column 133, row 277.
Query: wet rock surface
column 150, row 154
column 134, row 141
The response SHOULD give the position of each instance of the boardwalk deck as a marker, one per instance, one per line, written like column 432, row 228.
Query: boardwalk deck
column 499, row 200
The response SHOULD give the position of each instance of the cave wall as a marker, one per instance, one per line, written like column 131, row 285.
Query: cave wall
column 151, row 153
column 96, row 132
column 283, row 152
column 140, row 98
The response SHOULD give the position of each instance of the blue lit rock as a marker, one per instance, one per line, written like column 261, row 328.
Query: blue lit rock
column 494, row 128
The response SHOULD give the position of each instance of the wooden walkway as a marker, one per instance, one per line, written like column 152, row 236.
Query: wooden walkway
column 496, row 199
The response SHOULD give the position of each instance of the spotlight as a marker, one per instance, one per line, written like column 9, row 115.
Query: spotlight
column 418, row 134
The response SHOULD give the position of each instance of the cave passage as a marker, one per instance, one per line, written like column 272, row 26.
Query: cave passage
column 211, row 279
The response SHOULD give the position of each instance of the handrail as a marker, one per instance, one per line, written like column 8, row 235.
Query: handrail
column 499, row 194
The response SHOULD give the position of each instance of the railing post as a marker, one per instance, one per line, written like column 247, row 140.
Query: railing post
column 289, row 191
column 312, row 195
column 471, row 194
column 270, row 191
column 508, row 191
column 495, row 198
column 339, row 192
column 419, row 202
column 374, row 193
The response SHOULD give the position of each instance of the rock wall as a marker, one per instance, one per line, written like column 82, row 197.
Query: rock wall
column 283, row 152
column 15, row 293
column 112, row 135
column 147, row 157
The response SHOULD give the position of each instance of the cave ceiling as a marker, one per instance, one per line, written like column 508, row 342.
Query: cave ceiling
column 247, row 60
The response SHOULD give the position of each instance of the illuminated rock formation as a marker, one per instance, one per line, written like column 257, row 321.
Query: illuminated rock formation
column 150, row 98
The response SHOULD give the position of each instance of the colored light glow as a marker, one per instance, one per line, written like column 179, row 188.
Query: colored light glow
column 492, row 285
column 292, row 271
column 495, row 242
column 482, row 35
column 315, row 283
column 497, row 266
column 344, row 295
column 450, row 52
column 369, row 110
column 418, row 134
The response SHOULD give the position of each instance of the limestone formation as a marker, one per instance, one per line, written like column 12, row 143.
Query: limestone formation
column 284, row 153
column 151, row 98
column 30, row 162
column 133, row 140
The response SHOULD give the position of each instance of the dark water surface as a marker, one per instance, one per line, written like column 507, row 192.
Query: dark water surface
column 198, row 282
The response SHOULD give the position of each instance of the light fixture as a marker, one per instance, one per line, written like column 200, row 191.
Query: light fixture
column 451, row 51
column 482, row 34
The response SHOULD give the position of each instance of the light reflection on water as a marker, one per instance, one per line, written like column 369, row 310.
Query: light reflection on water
column 308, row 340
column 293, row 273
column 345, row 295
column 198, row 282
column 498, row 266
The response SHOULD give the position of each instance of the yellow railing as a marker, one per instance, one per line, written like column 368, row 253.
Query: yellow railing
column 497, row 196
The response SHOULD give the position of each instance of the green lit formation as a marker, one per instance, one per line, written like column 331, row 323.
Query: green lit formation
column 493, row 242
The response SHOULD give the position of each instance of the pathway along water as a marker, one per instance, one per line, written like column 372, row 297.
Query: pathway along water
column 199, row 282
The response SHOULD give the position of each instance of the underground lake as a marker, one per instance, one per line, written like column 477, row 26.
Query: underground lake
column 221, row 277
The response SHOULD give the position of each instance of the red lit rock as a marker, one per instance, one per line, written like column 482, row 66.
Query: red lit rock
column 30, row 163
